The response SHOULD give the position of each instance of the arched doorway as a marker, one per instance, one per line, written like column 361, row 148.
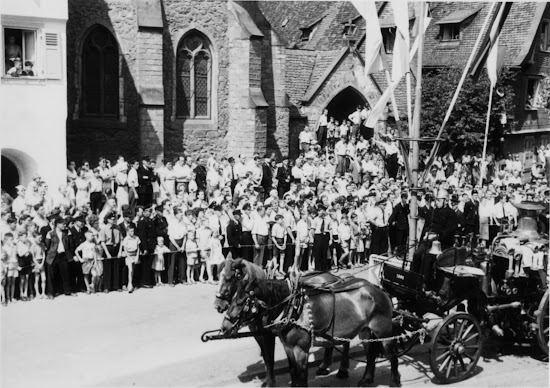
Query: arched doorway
column 345, row 103
column 10, row 176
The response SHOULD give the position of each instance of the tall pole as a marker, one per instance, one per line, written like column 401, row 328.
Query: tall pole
column 415, row 135
column 459, row 87
column 483, row 162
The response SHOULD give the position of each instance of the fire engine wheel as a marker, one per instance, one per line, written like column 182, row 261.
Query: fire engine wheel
column 456, row 348
column 542, row 323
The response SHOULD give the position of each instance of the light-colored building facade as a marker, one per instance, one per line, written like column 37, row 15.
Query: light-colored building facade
column 33, row 97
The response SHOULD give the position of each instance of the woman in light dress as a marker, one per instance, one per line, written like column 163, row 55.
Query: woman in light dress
column 82, row 189
column 168, row 181
column 121, row 179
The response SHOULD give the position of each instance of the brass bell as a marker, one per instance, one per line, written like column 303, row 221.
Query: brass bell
column 436, row 248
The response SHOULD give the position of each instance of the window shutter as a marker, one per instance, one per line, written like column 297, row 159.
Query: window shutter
column 53, row 61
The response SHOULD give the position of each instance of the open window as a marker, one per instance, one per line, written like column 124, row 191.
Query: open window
column 20, row 52
column 545, row 35
column 388, row 38
column 533, row 100
column 450, row 32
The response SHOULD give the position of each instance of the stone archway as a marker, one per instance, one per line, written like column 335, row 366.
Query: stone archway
column 345, row 103
column 10, row 176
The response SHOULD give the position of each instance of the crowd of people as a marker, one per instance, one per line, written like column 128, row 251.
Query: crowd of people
column 128, row 225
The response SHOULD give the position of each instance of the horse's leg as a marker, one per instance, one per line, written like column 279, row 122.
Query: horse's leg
column 370, row 352
column 301, row 355
column 267, row 346
column 391, row 353
column 324, row 368
column 291, row 364
column 344, row 364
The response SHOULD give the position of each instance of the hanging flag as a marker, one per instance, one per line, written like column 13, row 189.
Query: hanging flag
column 495, row 60
column 380, row 105
column 400, row 65
column 373, row 39
column 491, row 41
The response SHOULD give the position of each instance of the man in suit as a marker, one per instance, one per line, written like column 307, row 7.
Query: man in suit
column 283, row 178
column 235, row 234
column 471, row 214
column 76, row 237
column 399, row 226
column 145, row 230
column 146, row 176
column 58, row 251
column 267, row 176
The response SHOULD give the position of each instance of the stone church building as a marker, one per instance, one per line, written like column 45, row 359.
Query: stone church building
column 159, row 77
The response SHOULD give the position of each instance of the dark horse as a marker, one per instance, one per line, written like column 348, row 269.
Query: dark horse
column 234, row 271
column 365, row 311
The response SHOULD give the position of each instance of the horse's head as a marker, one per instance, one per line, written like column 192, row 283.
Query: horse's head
column 242, row 308
column 231, row 271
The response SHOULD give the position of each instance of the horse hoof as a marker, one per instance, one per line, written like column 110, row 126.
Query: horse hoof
column 322, row 371
column 342, row 374
column 365, row 382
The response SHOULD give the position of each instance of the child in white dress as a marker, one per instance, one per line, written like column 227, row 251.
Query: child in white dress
column 215, row 259
column 158, row 261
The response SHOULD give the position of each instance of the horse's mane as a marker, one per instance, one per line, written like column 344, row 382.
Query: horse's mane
column 254, row 271
column 272, row 291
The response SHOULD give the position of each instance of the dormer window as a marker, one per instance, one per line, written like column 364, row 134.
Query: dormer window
column 545, row 35
column 388, row 38
column 450, row 32
column 309, row 30
column 350, row 28
column 451, row 24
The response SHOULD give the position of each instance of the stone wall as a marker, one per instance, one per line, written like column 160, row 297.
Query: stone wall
column 209, row 18
column 89, row 138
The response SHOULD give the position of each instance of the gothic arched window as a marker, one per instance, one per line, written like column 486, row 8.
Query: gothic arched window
column 100, row 74
column 193, row 77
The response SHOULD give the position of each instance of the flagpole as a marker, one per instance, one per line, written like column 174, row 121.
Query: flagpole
column 415, row 135
column 458, row 88
column 482, row 168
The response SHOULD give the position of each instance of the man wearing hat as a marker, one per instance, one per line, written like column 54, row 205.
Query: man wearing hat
column 442, row 226
column 58, row 252
column 283, row 178
column 76, row 237
column 110, row 239
column 235, row 234
column 146, row 176
column 379, row 226
column 399, row 225
column 471, row 214
column 322, row 239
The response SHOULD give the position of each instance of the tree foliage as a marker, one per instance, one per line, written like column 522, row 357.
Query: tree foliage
column 466, row 126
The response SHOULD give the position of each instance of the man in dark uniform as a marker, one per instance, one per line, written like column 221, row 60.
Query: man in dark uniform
column 442, row 225
column 283, row 178
column 459, row 214
column 267, row 176
column 471, row 214
column 235, row 234
column 322, row 239
column 146, row 176
column 399, row 226
column 76, row 237
column 200, row 175
column 146, row 232
column 58, row 250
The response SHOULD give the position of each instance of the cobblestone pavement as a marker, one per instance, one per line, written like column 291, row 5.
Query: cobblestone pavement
column 152, row 338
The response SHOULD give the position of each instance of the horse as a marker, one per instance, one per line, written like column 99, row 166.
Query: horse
column 233, row 271
column 334, row 317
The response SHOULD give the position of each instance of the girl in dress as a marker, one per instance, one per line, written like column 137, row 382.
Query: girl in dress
column 86, row 254
column 158, row 261
column 82, row 189
column 192, row 253
column 24, row 258
column 130, row 249
column 122, row 189
column 216, row 257
column 204, row 235
column 168, row 181
column 38, row 251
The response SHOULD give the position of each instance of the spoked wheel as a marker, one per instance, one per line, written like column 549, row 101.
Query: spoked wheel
column 456, row 347
column 542, row 323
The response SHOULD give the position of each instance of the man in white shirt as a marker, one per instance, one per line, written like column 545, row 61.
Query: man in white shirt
column 356, row 120
column 322, row 131
column 133, row 183
column 182, row 170
column 18, row 204
column 260, row 232
column 305, row 139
